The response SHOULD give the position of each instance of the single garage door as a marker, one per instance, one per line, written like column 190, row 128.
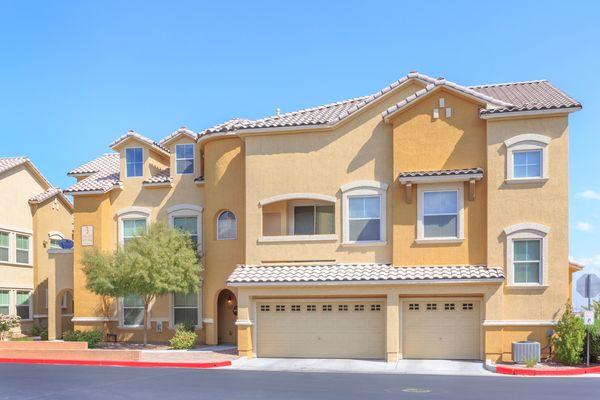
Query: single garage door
column 321, row 329
column 446, row 328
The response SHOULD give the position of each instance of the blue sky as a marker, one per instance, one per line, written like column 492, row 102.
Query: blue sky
column 76, row 75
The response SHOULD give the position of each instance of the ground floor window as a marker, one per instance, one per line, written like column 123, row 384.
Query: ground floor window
column 24, row 304
column 133, row 310
column 4, row 301
column 185, row 308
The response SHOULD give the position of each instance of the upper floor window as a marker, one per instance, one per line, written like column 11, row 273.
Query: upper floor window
column 55, row 238
column 364, row 212
column 527, row 261
column 4, row 246
column 314, row 220
column 526, row 254
column 134, row 161
column 527, row 164
column 23, row 249
column 184, row 158
column 226, row 226
column 133, row 228
column 440, row 214
column 526, row 158
column 185, row 308
column 188, row 225
column 364, row 220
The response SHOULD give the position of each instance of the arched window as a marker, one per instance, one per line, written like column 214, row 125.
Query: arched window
column 226, row 226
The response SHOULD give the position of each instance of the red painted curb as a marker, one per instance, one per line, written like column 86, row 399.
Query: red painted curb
column 108, row 363
column 546, row 372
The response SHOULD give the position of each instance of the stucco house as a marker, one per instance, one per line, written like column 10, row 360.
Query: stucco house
column 35, row 273
column 425, row 220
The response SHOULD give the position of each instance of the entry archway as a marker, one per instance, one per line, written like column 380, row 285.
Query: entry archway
column 226, row 317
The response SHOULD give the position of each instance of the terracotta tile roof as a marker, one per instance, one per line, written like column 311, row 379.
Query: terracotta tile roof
column 527, row 96
column 7, row 163
column 133, row 134
column 48, row 194
column 163, row 176
column 340, row 273
column 442, row 172
column 507, row 97
column 104, row 175
column 181, row 131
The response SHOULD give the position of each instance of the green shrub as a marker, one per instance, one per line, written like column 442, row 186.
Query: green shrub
column 569, row 340
column 595, row 334
column 531, row 362
column 44, row 334
column 186, row 326
column 36, row 330
column 183, row 340
column 91, row 337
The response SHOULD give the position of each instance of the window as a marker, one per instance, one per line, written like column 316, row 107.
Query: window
column 449, row 307
column 4, row 246
column 54, row 243
column 133, row 310
column 188, row 225
column 55, row 238
column 184, row 158
column 134, row 161
column 23, row 249
column 133, row 228
column 364, row 218
column 280, row 307
column 23, row 304
column 327, row 307
column 526, row 255
column 359, row 307
column 527, row 260
column 295, row 307
column 314, row 220
column 63, row 300
column 413, row 306
column 311, row 307
column 185, row 308
column 342, row 307
column 467, row 306
column 440, row 214
column 226, row 226
column 265, row 308
column 375, row 307
column 526, row 157
column 4, row 302
column 527, row 164
column 431, row 306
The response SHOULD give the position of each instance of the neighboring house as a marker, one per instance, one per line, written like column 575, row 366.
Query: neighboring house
column 426, row 220
column 34, row 217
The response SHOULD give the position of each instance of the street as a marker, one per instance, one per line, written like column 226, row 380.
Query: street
column 71, row 382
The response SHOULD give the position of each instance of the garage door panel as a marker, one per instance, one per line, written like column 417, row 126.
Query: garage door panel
column 331, row 329
column 446, row 328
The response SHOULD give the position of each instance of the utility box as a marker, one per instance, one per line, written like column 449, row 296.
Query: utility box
column 526, row 350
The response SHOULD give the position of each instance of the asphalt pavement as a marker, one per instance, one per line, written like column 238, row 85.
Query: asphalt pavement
column 78, row 382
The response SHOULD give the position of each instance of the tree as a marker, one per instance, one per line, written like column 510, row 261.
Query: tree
column 161, row 260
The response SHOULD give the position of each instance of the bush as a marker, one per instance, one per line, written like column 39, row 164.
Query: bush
column 595, row 334
column 44, row 334
column 183, row 340
column 36, row 330
column 91, row 337
column 186, row 326
column 569, row 340
column 8, row 322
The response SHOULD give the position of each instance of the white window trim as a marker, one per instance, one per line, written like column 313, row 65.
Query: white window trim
column 29, row 251
column 8, row 248
column 172, row 307
column 217, row 225
column 129, row 213
column 524, row 142
column 193, row 159
column 525, row 231
column 360, row 189
column 143, row 161
column 435, row 187
column 188, row 210
column 122, row 317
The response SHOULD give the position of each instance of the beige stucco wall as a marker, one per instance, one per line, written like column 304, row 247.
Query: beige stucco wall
column 543, row 203
column 422, row 143
column 320, row 163
column 18, row 185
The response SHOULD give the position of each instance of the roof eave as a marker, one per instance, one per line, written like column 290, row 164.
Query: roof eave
column 167, row 141
column 443, row 178
column 515, row 114
column 157, row 184
column 117, row 144
column 371, row 282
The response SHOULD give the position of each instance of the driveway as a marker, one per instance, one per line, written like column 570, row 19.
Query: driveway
column 26, row 382
column 427, row 367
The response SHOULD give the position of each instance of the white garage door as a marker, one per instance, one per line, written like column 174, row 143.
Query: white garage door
column 321, row 329
column 441, row 328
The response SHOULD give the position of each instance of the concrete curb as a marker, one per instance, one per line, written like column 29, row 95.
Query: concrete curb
column 111, row 363
column 490, row 366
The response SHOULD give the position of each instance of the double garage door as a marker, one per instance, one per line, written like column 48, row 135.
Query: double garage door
column 355, row 328
column 321, row 329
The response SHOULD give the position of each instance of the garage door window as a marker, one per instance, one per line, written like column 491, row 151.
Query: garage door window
column 311, row 307
column 343, row 307
column 280, row 308
column 327, row 307
column 295, row 307
column 449, row 306
column 467, row 306
column 359, row 307
column 413, row 307
column 375, row 307
column 431, row 306
column 265, row 308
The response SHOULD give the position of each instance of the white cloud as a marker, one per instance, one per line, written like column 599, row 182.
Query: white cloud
column 589, row 194
column 584, row 226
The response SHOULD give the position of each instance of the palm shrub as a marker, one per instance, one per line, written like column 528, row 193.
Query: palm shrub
column 569, row 340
